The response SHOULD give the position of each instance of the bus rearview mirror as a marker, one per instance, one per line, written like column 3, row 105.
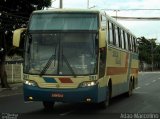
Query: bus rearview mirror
column 17, row 36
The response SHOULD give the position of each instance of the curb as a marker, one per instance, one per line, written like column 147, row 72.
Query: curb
column 148, row 72
column 14, row 86
column 2, row 89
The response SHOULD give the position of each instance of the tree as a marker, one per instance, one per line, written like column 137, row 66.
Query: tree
column 149, row 52
column 14, row 14
column 145, row 49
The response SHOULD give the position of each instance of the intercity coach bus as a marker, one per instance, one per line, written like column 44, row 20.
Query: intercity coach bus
column 77, row 56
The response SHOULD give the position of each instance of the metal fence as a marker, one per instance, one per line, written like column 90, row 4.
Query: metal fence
column 14, row 71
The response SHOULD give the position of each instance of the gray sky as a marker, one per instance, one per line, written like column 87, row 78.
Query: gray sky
column 148, row 29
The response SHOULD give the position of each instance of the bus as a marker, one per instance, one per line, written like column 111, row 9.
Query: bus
column 77, row 56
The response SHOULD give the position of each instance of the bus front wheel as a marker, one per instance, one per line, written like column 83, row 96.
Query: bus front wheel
column 106, row 103
column 48, row 105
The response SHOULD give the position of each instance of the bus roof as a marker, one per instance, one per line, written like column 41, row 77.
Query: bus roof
column 118, row 24
column 67, row 10
column 83, row 11
column 112, row 20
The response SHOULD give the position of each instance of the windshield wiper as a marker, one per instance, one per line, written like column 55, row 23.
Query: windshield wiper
column 69, row 66
column 49, row 62
column 51, row 59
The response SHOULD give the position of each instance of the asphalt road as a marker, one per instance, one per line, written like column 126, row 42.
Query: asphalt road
column 145, row 99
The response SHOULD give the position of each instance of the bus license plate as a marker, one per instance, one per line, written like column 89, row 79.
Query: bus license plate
column 57, row 95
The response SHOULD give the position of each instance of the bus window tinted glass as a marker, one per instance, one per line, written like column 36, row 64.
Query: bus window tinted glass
column 63, row 21
column 110, row 33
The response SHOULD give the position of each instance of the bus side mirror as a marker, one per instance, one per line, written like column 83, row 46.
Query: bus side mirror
column 17, row 36
column 1, row 50
column 102, row 38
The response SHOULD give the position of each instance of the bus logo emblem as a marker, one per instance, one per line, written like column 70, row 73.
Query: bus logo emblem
column 57, row 85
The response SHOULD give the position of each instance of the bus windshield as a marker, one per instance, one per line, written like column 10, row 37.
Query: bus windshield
column 64, row 21
column 63, row 53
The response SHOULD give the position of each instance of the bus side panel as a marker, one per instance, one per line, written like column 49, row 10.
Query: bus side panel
column 118, row 69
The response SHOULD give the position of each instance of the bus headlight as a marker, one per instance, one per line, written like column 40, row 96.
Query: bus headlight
column 30, row 83
column 87, row 84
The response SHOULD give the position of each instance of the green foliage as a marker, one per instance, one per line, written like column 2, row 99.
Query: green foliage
column 23, row 7
column 148, row 49
column 15, row 14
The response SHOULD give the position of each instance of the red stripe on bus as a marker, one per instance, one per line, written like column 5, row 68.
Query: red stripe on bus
column 116, row 70
column 65, row 80
column 134, row 70
column 120, row 70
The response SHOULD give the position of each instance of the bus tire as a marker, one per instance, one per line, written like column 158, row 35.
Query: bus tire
column 106, row 103
column 130, row 90
column 48, row 105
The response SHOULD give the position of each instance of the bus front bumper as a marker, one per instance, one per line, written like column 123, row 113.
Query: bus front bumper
column 88, row 94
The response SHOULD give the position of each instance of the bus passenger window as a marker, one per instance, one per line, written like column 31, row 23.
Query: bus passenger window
column 116, row 36
column 134, row 44
column 110, row 33
column 133, row 47
column 119, row 37
column 126, row 41
column 113, row 34
column 108, row 38
column 131, row 44
column 123, row 40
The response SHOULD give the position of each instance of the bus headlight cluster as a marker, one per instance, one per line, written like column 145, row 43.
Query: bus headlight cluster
column 88, row 84
column 30, row 83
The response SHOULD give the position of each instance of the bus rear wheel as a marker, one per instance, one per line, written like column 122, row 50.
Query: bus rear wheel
column 130, row 91
column 48, row 105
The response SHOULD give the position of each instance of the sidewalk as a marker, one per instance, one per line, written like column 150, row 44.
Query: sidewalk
column 16, row 88
column 147, row 72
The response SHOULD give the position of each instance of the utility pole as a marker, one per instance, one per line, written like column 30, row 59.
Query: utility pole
column 87, row 4
column 61, row 4
column 116, row 13
column 152, row 53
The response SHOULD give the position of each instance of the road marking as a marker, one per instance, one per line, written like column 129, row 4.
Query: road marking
column 137, row 88
column 147, row 84
column 154, row 81
column 141, row 92
column 1, row 96
column 28, row 102
column 66, row 113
